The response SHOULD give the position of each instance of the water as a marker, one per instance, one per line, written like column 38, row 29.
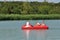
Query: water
column 11, row 30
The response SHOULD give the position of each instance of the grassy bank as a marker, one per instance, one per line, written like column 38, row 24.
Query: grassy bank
column 28, row 17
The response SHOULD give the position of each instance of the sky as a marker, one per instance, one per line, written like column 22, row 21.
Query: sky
column 56, row 1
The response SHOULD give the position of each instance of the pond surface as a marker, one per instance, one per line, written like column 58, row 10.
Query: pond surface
column 11, row 30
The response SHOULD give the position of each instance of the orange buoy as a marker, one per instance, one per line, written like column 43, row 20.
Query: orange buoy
column 40, row 26
column 27, row 26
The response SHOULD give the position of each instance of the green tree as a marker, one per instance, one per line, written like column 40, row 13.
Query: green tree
column 44, row 9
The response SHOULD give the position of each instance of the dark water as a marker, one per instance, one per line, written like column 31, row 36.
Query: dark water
column 11, row 30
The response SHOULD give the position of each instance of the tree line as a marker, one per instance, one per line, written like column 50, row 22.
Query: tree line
column 29, row 8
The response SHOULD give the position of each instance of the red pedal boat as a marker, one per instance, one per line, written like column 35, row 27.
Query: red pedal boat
column 40, row 26
column 27, row 26
column 37, row 26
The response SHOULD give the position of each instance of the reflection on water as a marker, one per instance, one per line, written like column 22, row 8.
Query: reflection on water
column 26, row 32
column 35, row 34
column 41, row 34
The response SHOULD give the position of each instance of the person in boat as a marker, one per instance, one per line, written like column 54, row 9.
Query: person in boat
column 37, row 24
column 43, row 24
column 28, row 24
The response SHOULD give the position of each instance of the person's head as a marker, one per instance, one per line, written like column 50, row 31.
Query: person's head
column 27, row 23
column 37, row 23
column 42, row 24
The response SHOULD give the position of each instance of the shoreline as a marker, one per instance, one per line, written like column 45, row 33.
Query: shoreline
column 30, row 17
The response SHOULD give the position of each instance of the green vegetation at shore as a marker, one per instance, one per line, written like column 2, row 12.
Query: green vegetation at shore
column 29, row 17
column 29, row 10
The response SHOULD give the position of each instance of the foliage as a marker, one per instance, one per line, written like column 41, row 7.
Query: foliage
column 28, row 17
column 29, row 8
